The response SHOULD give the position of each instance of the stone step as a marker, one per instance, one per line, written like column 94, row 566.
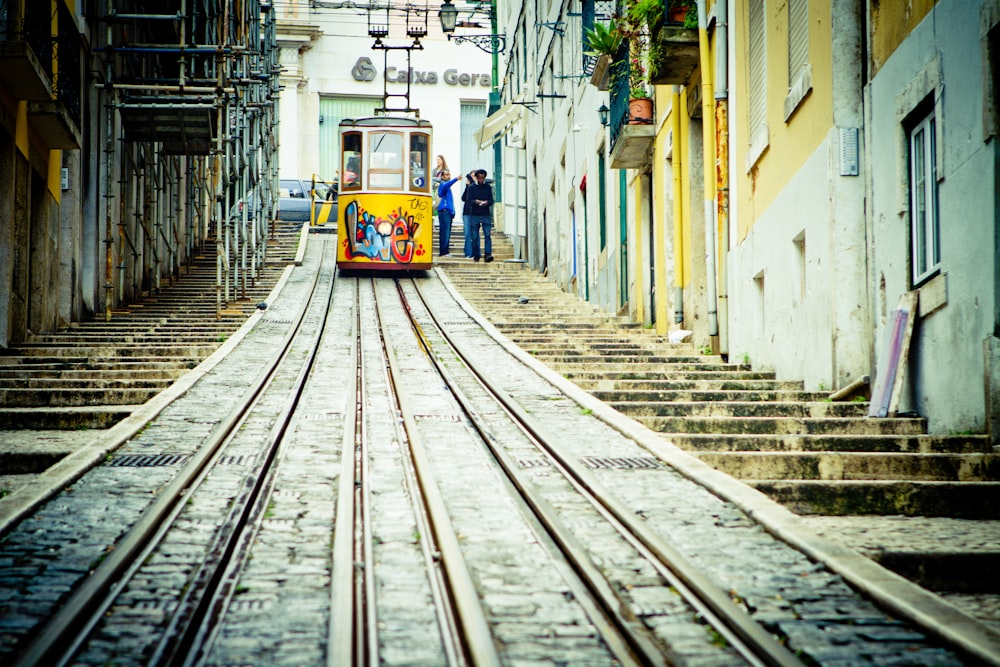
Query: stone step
column 784, row 425
column 183, row 350
column 57, row 372
column 78, row 396
column 739, row 409
column 610, row 371
column 704, row 396
column 856, row 466
column 650, row 389
column 102, row 382
column 63, row 418
column 699, row 443
column 630, row 357
column 963, row 500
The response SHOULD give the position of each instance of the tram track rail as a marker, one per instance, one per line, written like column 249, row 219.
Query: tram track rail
column 66, row 631
column 753, row 643
column 447, row 523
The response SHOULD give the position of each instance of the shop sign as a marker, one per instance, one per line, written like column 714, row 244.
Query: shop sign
column 364, row 70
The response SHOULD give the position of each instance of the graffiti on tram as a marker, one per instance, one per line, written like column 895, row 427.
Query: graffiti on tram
column 389, row 238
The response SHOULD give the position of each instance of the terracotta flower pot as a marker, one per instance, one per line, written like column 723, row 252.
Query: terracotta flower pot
column 677, row 14
column 640, row 111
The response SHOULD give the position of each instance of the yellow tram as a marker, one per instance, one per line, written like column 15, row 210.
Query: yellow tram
column 385, row 208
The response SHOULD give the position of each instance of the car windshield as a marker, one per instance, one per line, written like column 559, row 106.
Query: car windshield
column 291, row 189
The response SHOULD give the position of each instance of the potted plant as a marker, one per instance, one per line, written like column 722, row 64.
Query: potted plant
column 640, row 103
column 602, row 39
column 674, row 53
column 683, row 13
column 602, row 43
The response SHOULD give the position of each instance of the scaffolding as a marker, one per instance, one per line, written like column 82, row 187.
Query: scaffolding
column 189, row 98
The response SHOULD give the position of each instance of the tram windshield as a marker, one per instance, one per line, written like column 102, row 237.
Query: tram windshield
column 385, row 161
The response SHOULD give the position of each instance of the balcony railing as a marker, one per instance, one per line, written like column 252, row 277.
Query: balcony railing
column 25, row 50
column 68, row 84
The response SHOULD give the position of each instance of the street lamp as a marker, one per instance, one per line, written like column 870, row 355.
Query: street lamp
column 492, row 43
column 602, row 114
column 448, row 14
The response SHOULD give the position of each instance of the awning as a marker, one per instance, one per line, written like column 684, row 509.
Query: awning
column 498, row 124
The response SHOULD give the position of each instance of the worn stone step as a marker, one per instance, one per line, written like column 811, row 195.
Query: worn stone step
column 964, row 500
column 627, row 395
column 783, row 425
column 740, row 409
column 622, row 387
column 78, row 396
column 856, row 466
column 631, row 357
column 844, row 442
column 135, row 338
column 64, row 418
column 183, row 350
column 35, row 383
column 84, row 376
column 23, row 365
column 615, row 370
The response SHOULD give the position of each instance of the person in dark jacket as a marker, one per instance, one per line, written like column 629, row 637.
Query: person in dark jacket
column 478, row 212
column 446, row 212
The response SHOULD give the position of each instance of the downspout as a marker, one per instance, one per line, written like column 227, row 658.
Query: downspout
column 677, row 164
column 708, row 132
column 722, row 163
column 109, row 194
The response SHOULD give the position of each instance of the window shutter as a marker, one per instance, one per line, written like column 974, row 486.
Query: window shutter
column 798, row 37
column 758, row 66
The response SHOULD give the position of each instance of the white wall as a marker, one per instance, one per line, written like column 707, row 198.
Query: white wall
column 445, row 74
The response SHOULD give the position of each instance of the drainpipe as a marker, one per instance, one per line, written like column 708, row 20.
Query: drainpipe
column 109, row 182
column 677, row 165
column 722, row 163
column 708, row 132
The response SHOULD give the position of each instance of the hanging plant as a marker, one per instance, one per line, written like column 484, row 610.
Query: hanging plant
column 602, row 39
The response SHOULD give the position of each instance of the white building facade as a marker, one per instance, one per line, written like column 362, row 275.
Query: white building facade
column 331, row 71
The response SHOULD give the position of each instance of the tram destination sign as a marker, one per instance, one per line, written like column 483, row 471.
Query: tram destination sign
column 365, row 70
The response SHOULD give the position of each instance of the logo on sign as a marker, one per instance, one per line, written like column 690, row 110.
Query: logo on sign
column 363, row 69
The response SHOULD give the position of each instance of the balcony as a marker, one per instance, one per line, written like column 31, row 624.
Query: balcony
column 631, row 139
column 673, row 55
column 25, row 51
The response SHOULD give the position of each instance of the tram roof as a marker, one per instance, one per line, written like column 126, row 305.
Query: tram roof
column 384, row 121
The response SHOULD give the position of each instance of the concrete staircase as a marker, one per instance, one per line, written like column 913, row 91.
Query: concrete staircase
column 93, row 373
column 818, row 457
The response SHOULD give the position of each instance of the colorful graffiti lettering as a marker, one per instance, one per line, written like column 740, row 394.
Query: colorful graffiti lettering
column 389, row 239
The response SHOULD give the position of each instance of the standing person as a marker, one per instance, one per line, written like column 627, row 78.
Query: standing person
column 446, row 212
column 476, row 212
column 440, row 167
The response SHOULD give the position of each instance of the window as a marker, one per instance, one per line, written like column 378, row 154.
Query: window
column 924, row 233
column 351, row 171
column 419, row 144
column 385, row 161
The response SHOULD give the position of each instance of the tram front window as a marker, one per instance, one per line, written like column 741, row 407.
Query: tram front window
column 385, row 166
column 351, row 171
column 419, row 147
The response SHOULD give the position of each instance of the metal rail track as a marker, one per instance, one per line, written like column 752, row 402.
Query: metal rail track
column 752, row 642
column 67, row 630
column 381, row 402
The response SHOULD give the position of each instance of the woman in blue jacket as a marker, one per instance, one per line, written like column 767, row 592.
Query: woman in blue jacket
column 446, row 212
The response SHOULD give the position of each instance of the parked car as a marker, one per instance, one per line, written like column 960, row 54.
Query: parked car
column 294, row 201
